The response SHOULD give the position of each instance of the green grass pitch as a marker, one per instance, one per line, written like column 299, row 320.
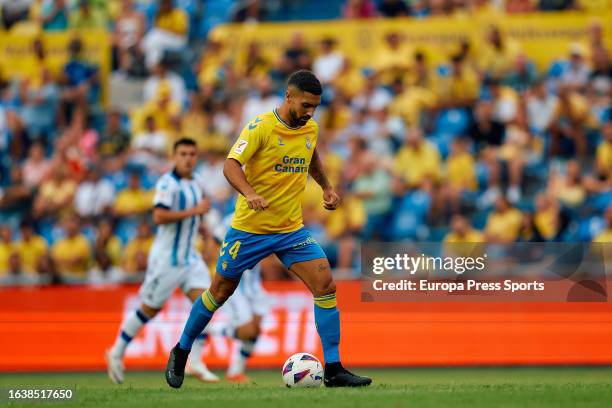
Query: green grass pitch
column 556, row 387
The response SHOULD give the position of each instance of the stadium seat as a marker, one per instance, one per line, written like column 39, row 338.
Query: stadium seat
column 590, row 227
column 119, row 179
column 479, row 219
column 306, row 10
column 482, row 175
column 443, row 142
column 443, row 70
column 599, row 202
column 437, row 234
column 90, row 233
column 126, row 229
column 410, row 216
column 452, row 121
column 405, row 225
column 214, row 12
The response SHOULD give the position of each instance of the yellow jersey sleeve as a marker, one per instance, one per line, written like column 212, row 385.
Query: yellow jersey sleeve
column 250, row 140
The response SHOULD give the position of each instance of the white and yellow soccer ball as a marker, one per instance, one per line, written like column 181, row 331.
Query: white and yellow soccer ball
column 302, row 370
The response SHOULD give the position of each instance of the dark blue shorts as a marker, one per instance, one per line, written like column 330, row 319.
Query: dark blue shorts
column 243, row 250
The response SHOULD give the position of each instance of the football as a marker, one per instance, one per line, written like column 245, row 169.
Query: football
column 302, row 370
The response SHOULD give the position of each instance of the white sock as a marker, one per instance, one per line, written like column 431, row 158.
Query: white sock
column 129, row 328
column 241, row 356
column 220, row 329
column 197, row 348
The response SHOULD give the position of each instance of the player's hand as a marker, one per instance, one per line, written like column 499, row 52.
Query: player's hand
column 331, row 199
column 202, row 207
column 256, row 202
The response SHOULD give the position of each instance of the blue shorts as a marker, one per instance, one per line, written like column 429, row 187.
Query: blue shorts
column 243, row 250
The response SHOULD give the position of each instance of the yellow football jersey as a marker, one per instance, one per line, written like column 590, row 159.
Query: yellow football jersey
column 276, row 158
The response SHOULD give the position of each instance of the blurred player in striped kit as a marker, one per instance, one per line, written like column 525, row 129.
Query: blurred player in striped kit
column 173, row 262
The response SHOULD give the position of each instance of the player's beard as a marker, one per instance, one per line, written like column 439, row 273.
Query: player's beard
column 297, row 121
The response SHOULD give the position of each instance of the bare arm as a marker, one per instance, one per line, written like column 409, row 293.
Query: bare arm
column 166, row 216
column 232, row 170
column 317, row 172
column 331, row 200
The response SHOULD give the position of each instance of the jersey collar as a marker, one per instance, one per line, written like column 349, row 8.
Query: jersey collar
column 178, row 177
column 283, row 122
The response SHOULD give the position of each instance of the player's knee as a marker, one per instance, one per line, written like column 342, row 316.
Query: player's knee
column 249, row 331
column 220, row 294
column 324, row 287
column 222, row 290
column 149, row 311
column 256, row 330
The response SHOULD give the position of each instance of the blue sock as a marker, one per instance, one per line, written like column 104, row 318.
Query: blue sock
column 201, row 313
column 327, row 319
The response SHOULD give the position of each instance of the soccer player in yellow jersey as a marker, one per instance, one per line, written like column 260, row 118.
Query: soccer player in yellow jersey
column 278, row 151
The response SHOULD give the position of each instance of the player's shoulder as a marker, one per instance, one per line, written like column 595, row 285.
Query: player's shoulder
column 312, row 125
column 168, row 180
column 263, row 121
column 261, row 125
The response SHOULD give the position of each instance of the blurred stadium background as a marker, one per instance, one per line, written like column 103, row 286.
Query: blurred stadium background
column 450, row 120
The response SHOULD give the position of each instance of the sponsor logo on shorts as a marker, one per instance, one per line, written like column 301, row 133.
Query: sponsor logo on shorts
column 309, row 240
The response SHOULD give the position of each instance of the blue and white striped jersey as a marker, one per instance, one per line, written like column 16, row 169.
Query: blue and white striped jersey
column 174, row 243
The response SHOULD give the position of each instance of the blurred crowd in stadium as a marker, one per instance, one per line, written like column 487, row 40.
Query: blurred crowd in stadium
column 484, row 147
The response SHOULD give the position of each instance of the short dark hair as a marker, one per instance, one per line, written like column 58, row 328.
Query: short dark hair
column 183, row 141
column 305, row 81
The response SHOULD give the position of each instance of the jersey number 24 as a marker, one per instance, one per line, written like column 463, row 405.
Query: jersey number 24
column 233, row 249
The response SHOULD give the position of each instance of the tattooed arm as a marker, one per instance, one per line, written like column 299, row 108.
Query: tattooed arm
column 331, row 200
column 317, row 172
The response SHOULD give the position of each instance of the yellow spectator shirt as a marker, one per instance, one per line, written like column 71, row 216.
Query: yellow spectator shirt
column 133, row 201
column 349, row 82
column 461, row 171
column 276, row 158
column 392, row 63
column 470, row 244
column 457, row 88
column 604, row 158
column 547, row 223
column 67, row 249
column 506, row 225
column 471, row 236
column 498, row 62
column 31, row 251
column 175, row 21
column 134, row 247
column 412, row 103
column 413, row 165
column 5, row 253
column 113, row 249
column 604, row 236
